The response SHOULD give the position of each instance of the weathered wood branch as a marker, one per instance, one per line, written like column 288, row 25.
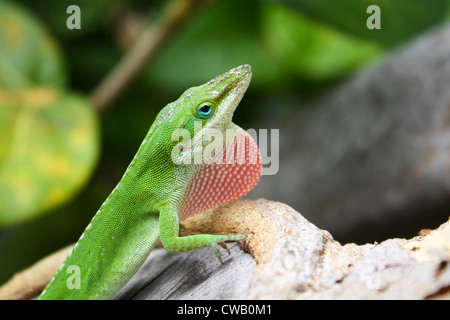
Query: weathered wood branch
column 290, row 258
column 30, row 282
column 295, row 260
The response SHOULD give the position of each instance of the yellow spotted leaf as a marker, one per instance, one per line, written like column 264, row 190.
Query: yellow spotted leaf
column 48, row 135
column 48, row 149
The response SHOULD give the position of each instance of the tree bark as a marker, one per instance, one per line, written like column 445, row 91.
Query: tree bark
column 286, row 257
column 290, row 258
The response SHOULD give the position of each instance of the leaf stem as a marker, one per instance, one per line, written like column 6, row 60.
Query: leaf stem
column 143, row 50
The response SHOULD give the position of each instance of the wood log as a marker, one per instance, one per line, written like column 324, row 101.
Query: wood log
column 286, row 257
column 295, row 260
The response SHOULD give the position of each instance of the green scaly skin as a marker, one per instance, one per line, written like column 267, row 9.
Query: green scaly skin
column 144, row 205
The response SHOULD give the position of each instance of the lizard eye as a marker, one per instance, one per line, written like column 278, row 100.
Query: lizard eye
column 205, row 110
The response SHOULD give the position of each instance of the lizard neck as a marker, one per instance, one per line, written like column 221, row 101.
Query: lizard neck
column 152, row 180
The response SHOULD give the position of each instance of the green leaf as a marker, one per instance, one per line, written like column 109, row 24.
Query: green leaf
column 216, row 40
column 94, row 14
column 28, row 55
column 310, row 49
column 49, row 148
column 48, row 136
column 400, row 19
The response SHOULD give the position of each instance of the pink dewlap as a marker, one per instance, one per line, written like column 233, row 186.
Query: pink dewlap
column 227, row 177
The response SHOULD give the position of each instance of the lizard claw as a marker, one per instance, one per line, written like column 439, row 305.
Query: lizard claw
column 215, row 245
column 224, row 245
column 217, row 252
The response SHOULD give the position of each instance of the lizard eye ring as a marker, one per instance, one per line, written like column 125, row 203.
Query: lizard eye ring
column 205, row 110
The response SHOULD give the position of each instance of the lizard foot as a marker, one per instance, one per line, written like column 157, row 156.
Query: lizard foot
column 229, row 238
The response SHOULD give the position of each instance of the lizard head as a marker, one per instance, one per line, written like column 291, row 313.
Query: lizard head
column 202, row 111
column 214, row 102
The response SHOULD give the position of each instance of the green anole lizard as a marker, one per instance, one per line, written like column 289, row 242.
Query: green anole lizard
column 166, row 182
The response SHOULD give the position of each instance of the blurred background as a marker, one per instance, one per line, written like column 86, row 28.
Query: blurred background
column 63, row 149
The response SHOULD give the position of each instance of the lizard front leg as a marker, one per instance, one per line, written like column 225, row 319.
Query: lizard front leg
column 172, row 242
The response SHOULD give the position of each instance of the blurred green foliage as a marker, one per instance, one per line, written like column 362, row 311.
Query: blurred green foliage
column 48, row 137
column 401, row 19
column 295, row 47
